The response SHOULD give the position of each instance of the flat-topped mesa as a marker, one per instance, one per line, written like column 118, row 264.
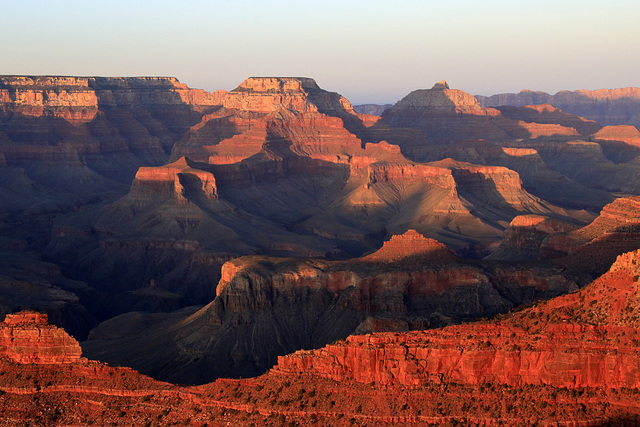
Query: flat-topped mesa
column 541, row 223
column 625, row 133
column 77, row 99
column 172, row 179
column 403, row 172
column 413, row 244
column 298, row 94
column 441, row 99
column 496, row 184
column 27, row 337
column 69, row 98
column 152, row 91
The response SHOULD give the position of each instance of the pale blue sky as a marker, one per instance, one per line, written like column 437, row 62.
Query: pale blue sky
column 369, row 51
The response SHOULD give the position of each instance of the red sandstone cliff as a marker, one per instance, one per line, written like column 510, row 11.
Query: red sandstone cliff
column 27, row 337
column 588, row 338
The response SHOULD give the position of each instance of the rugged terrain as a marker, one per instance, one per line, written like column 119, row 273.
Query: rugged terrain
column 266, row 307
column 199, row 235
column 572, row 360
column 605, row 106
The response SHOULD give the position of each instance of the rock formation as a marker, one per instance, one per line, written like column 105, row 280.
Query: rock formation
column 546, row 114
column 78, row 391
column 605, row 106
column 412, row 244
column 585, row 339
column 282, row 167
column 90, row 134
column 146, row 197
column 265, row 307
column 524, row 236
column 27, row 337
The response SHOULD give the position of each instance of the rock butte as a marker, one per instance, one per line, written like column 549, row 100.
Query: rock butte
column 412, row 244
column 27, row 337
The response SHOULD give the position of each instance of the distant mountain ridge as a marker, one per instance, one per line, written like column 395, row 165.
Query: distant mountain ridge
column 605, row 106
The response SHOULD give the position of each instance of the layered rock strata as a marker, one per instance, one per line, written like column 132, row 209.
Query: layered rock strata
column 605, row 106
column 27, row 337
column 585, row 339
column 266, row 306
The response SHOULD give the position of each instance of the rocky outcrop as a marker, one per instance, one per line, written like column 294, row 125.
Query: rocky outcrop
column 27, row 337
column 605, row 106
column 266, row 306
column 524, row 236
column 558, row 122
column 172, row 179
column 585, row 339
column 413, row 244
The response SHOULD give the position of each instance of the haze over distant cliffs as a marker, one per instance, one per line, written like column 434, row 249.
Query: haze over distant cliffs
column 605, row 106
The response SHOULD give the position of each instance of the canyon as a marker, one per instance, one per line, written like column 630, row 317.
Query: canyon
column 573, row 359
column 195, row 236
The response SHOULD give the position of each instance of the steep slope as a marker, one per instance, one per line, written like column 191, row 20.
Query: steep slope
column 92, row 131
column 281, row 168
column 586, row 339
column 557, row 154
column 268, row 306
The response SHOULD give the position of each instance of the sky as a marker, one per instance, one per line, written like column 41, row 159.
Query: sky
column 369, row 51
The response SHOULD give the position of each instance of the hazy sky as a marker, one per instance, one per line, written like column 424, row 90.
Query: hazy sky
column 369, row 51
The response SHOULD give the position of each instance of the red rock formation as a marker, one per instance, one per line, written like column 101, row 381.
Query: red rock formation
column 594, row 247
column 547, row 120
column 27, row 337
column 585, row 339
column 525, row 235
column 411, row 283
column 267, row 94
column 172, row 178
column 457, row 372
column 444, row 114
column 440, row 98
column 413, row 244
column 627, row 134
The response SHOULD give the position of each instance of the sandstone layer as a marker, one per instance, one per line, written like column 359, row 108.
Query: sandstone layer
column 266, row 306
column 27, row 337
column 585, row 339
